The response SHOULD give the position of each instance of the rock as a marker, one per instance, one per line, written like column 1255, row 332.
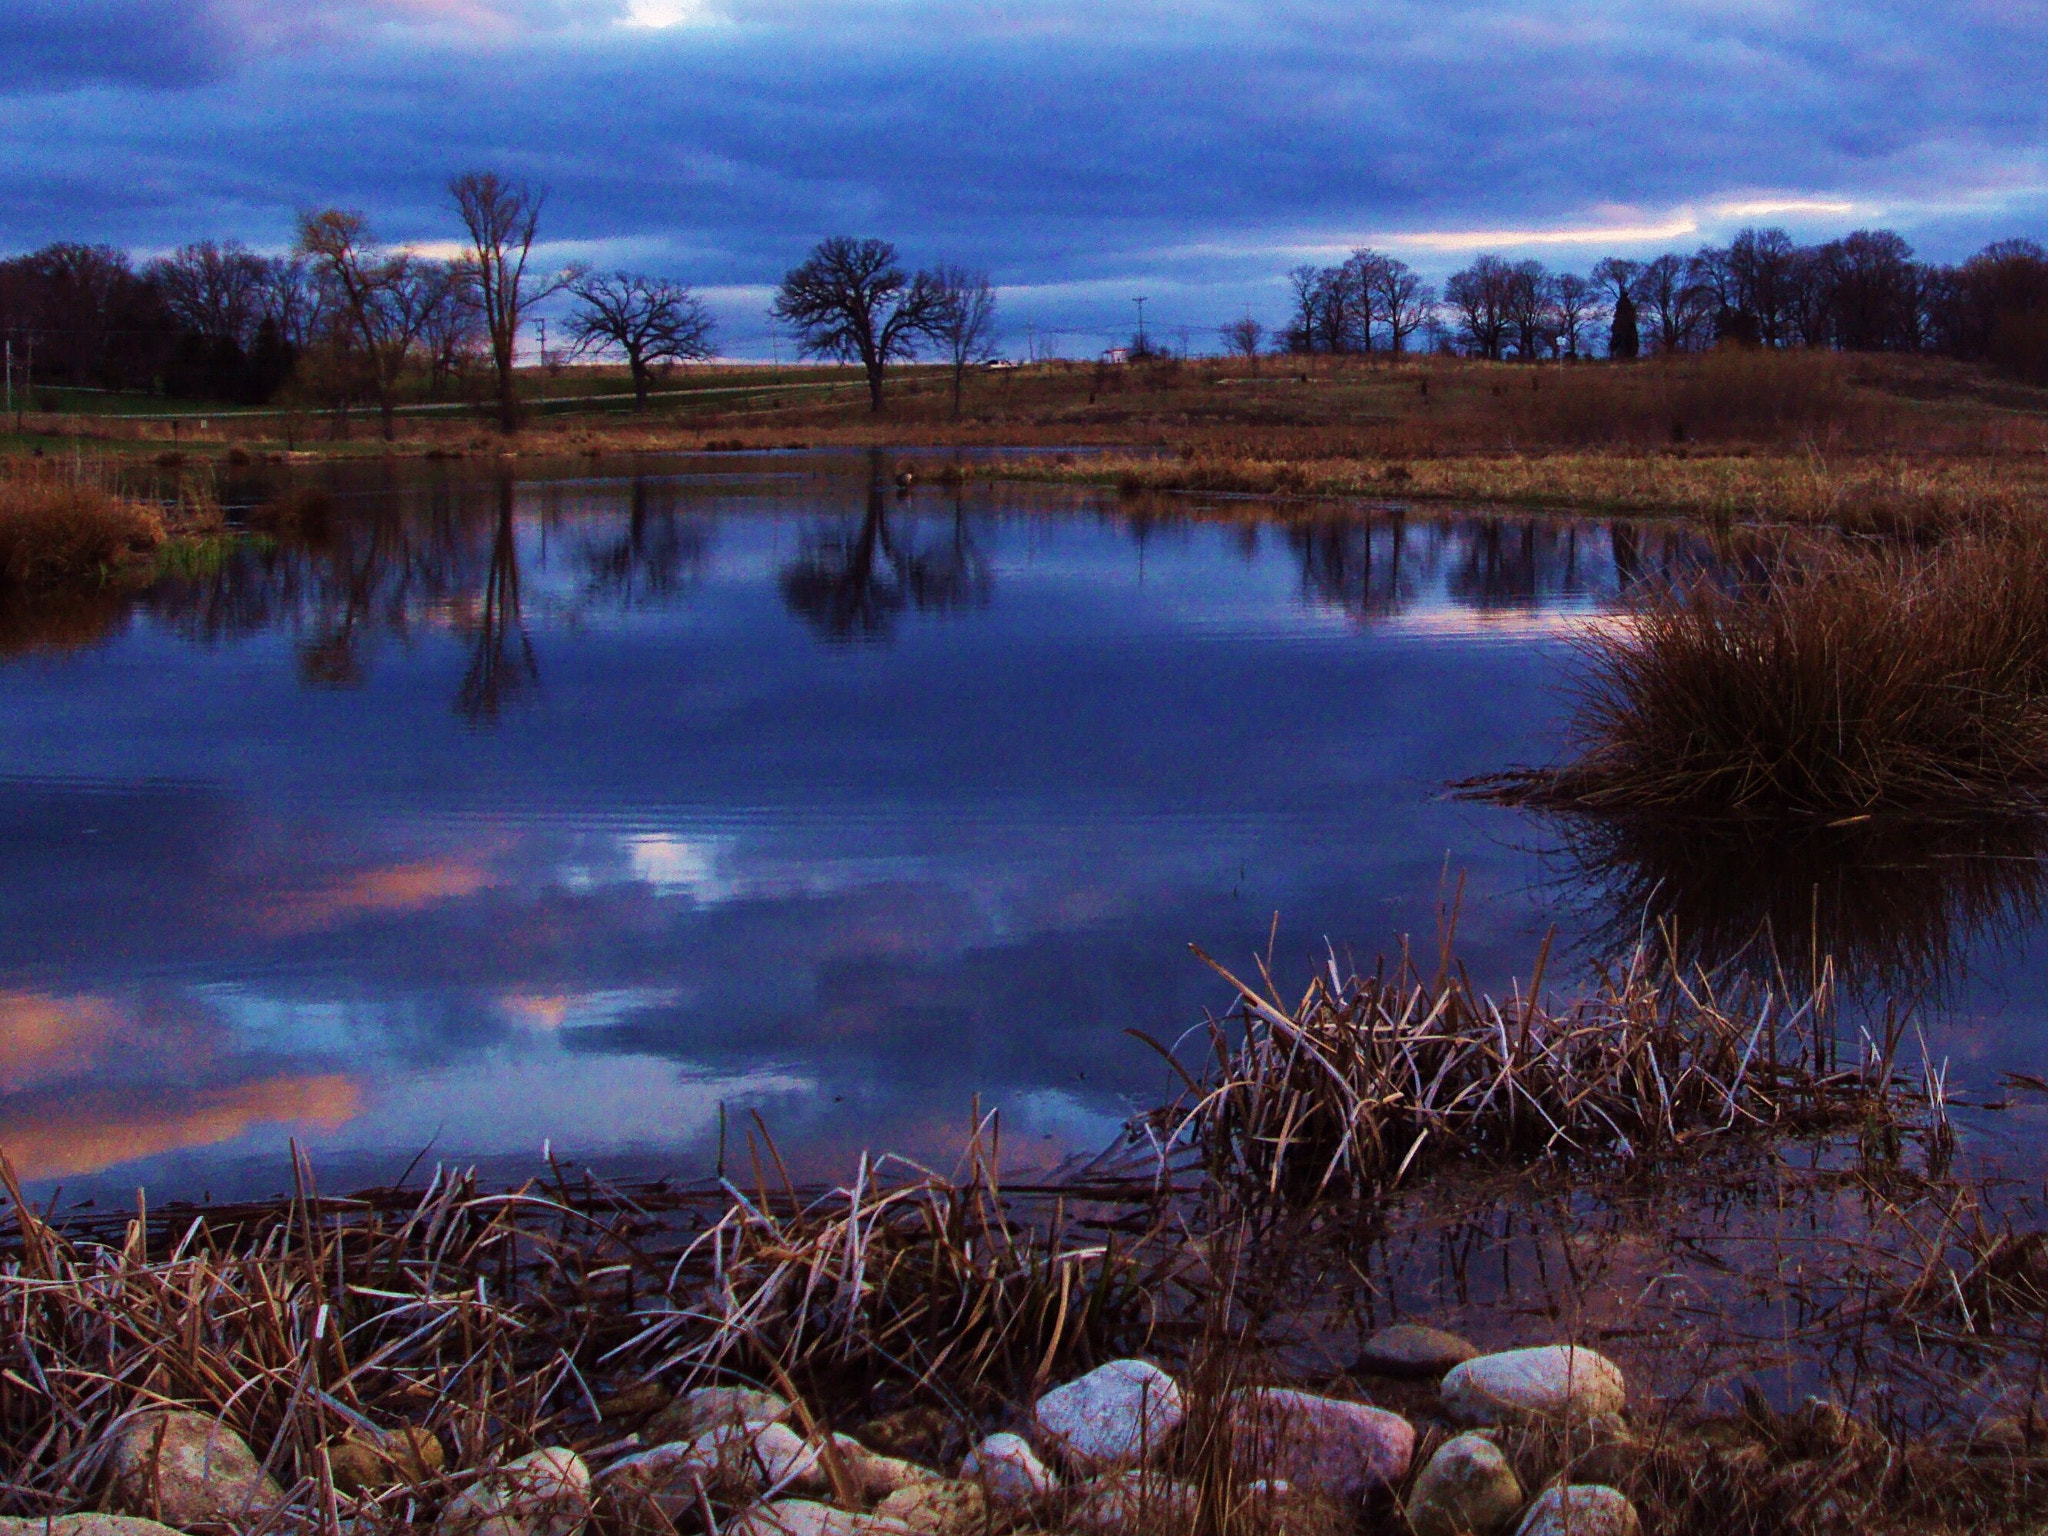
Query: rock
column 1125, row 1499
column 801, row 1517
column 1466, row 1487
column 545, row 1493
column 786, row 1461
column 736, row 1460
column 1116, row 1415
column 1555, row 1381
column 1412, row 1351
column 379, row 1458
column 875, row 1475
column 951, row 1508
column 1319, row 1444
column 920, row 1434
column 185, row 1469
column 708, row 1408
column 1009, row 1469
column 632, row 1402
column 84, row 1524
column 1580, row 1509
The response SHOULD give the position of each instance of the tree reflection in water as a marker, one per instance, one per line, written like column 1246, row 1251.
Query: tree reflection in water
column 853, row 583
column 501, row 660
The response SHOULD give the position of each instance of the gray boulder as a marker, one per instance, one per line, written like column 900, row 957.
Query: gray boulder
column 185, row 1469
column 708, row 1408
column 802, row 1517
column 1413, row 1351
column 1554, row 1381
column 1581, row 1509
column 544, row 1493
column 1318, row 1444
column 1126, row 1500
column 1009, row 1469
column 1466, row 1488
column 84, row 1524
column 1117, row 1415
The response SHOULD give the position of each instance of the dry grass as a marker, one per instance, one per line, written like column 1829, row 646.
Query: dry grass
column 56, row 529
column 1843, row 683
column 903, row 1276
column 1366, row 1080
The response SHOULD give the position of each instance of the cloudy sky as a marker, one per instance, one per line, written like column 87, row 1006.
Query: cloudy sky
column 1083, row 152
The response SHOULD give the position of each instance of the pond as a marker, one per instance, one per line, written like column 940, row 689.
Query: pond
column 592, row 805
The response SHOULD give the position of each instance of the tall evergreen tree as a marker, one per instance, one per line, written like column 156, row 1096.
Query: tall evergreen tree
column 1622, row 341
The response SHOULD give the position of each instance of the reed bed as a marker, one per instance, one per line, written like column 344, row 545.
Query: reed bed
column 1844, row 683
column 1365, row 1079
column 58, row 529
column 463, row 1315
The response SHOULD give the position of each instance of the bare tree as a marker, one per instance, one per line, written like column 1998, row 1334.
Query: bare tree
column 1402, row 300
column 1483, row 295
column 379, row 303
column 1675, row 304
column 850, row 300
column 216, row 289
column 1243, row 338
column 963, row 321
column 1528, row 308
column 1575, row 304
column 1365, row 276
column 502, row 219
column 650, row 319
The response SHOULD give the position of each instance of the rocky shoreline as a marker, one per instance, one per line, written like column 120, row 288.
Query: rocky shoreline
column 1124, row 1447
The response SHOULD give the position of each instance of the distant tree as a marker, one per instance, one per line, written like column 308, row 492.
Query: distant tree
column 1243, row 338
column 379, row 303
column 1623, row 341
column 1678, row 307
column 1402, row 300
column 1761, row 264
column 649, row 319
column 502, row 220
column 1365, row 276
column 1305, row 284
column 1482, row 295
column 962, row 321
column 1574, row 301
column 216, row 290
column 1528, row 308
column 850, row 300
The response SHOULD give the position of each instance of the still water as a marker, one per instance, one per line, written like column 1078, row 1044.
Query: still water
column 471, row 813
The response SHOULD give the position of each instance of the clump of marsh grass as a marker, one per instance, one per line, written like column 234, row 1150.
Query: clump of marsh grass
column 1362, row 1079
column 930, row 1285
column 57, row 530
column 1845, row 683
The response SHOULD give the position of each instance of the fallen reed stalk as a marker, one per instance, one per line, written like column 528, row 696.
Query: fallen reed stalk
column 1362, row 1079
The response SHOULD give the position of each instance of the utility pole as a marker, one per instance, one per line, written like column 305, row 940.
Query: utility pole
column 1140, row 302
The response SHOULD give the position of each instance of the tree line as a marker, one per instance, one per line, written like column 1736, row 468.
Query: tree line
column 344, row 318
column 1865, row 292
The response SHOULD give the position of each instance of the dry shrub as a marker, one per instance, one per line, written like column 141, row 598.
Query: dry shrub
column 1845, row 683
column 53, row 531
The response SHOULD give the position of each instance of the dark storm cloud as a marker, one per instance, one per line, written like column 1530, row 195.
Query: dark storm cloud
column 54, row 45
column 1060, row 144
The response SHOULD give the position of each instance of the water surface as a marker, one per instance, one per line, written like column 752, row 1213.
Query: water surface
column 473, row 812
